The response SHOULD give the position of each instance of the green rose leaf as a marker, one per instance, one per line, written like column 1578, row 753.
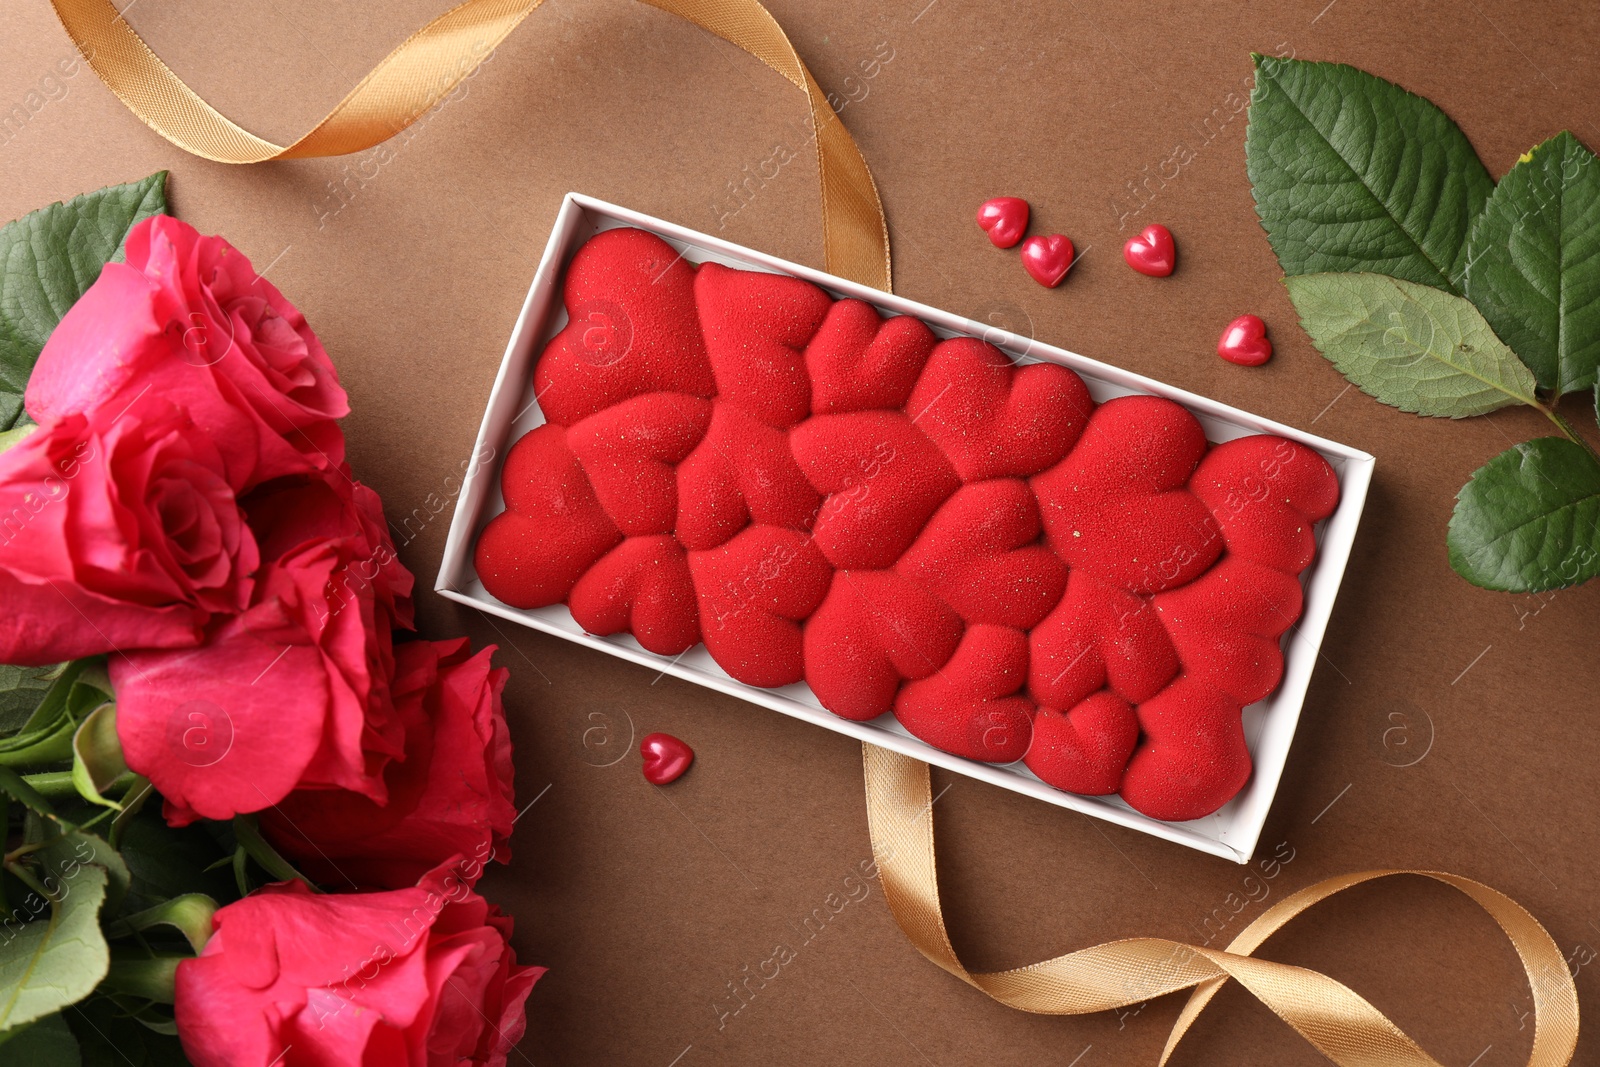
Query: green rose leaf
column 46, row 736
column 1529, row 520
column 1533, row 263
column 112, row 1038
column 167, row 862
column 1410, row 346
column 13, row 437
column 1353, row 173
column 189, row 914
column 48, row 259
column 74, row 848
column 46, row 1043
column 97, row 761
column 21, row 689
column 58, row 958
column 14, row 786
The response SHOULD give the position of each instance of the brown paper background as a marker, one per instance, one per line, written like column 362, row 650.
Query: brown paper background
column 646, row 902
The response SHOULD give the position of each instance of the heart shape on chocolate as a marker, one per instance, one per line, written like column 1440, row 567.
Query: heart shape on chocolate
column 553, row 528
column 630, row 452
column 859, row 362
column 992, row 418
column 1086, row 749
column 924, row 528
column 1193, row 757
column 1119, row 506
column 875, row 630
column 754, row 592
column 1099, row 637
column 642, row 587
column 884, row 479
column 742, row 472
column 981, row 551
column 665, row 758
column 756, row 327
column 632, row 328
column 974, row 706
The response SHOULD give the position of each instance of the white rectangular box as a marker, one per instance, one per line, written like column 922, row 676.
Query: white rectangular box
column 1269, row 724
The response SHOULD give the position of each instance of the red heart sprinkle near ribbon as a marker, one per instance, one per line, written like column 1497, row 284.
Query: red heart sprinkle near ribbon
column 1245, row 342
column 1151, row 251
column 1047, row 259
column 1004, row 219
column 665, row 758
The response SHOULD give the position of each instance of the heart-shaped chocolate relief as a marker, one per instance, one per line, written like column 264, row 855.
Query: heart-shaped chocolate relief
column 553, row 529
column 642, row 587
column 913, row 527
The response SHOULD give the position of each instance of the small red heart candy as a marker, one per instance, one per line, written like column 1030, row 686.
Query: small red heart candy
column 1245, row 342
column 665, row 758
column 1004, row 219
column 1152, row 251
column 1047, row 258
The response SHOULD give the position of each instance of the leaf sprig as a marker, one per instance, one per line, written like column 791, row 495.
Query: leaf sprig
column 1441, row 293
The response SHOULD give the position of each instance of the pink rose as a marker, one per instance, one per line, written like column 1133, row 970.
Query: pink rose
column 117, row 531
column 295, row 690
column 418, row 977
column 187, row 318
column 451, row 794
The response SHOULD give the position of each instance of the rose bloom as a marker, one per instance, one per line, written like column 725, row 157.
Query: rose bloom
column 187, row 318
column 295, row 690
column 417, row 977
column 450, row 795
column 117, row 530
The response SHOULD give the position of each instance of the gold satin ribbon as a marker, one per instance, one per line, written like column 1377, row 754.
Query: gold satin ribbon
column 428, row 64
column 413, row 78
column 1338, row 1021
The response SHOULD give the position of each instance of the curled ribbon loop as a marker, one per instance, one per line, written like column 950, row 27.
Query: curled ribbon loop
column 432, row 61
column 1334, row 1018
column 414, row 77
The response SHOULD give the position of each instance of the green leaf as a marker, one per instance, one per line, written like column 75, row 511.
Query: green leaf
column 5, row 875
column 21, row 689
column 75, row 848
column 97, row 756
column 248, row 832
column 1533, row 263
column 48, row 259
column 24, row 426
column 1353, row 173
column 54, row 703
column 12, row 785
column 55, row 961
column 111, row 1037
column 189, row 914
column 76, row 689
column 46, row 1043
column 37, row 748
column 1529, row 520
column 1410, row 346
column 169, row 861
